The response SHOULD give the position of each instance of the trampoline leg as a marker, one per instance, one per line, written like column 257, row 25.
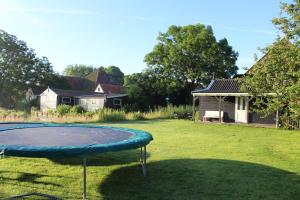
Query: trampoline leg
column 143, row 160
column 1, row 154
column 84, row 178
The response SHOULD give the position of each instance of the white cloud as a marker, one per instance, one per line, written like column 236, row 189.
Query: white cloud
column 37, row 21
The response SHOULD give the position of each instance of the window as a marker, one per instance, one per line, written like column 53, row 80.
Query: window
column 244, row 104
column 66, row 100
column 241, row 103
column 117, row 102
column 82, row 101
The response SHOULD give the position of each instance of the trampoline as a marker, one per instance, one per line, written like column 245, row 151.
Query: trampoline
column 44, row 140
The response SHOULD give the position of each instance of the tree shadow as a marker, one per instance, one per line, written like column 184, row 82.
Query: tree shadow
column 103, row 159
column 35, row 184
column 201, row 179
column 28, row 177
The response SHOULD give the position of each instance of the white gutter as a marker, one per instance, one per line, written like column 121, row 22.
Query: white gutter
column 117, row 95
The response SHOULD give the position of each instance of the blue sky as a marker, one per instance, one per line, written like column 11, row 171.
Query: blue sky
column 119, row 32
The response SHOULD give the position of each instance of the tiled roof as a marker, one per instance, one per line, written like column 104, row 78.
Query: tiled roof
column 71, row 93
column 80, row 93
column 222, row 86
column 112, row 89
column 98, row 76
column 37, row 90
column 80, row 83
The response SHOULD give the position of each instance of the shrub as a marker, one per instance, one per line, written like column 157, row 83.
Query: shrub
column 135, row 116
column 111, row 115
column 63, row 109
column 77, row 110
column 23, row 105
column 12, row 113
column 171, row 112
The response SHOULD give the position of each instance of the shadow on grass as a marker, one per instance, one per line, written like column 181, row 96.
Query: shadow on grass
column 27, row 177
column 103, row 159
column 201, row 179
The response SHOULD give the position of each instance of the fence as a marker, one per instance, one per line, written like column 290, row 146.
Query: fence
column 294, row 124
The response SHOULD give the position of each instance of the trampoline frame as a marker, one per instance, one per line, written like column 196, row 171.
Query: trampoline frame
column 142, row 159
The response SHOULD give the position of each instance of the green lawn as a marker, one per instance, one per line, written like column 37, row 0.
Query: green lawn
column 186, row 161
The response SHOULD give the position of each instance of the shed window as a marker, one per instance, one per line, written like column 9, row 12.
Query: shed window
column 66, row 99
column 117, row 102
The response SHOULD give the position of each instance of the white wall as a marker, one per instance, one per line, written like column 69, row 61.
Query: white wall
column 48, row 100
column 92, row 103
column 99, row 89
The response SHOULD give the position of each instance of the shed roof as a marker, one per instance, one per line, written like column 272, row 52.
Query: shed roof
column 222, row 86
column 71, row 93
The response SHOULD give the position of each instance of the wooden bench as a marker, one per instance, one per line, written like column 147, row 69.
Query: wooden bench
column 212, row 115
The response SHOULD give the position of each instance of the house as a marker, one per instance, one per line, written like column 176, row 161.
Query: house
column 33, row 93
column 91, row 92
column 224, row 101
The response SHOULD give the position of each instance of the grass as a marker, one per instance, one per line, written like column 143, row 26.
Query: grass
column 76, row 114
column 186, row 161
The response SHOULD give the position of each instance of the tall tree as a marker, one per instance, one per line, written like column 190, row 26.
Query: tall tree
column 144, row 90
column 278, row 71
column 289, row 20
column 78, row 70
column 116, row 76
column 20, row 68
column 188, row 56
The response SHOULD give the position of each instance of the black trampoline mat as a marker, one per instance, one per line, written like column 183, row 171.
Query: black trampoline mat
column 62, row 136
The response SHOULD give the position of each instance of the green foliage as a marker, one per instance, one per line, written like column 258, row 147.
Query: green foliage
column 20, row 69
column 278, row 71
column 144, row 91
column 116, row 76
column 184, row 57
column 174, row 112
column 135, row 116
column 78, row 70
column 289, row 20
column 23, row 105
column 12, row 113
column 187, row 56
column 77, row 110
column 63, row 109
column 111, row 115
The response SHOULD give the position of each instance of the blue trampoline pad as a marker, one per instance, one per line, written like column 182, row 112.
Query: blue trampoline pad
column 7, row 125
column 53, row 140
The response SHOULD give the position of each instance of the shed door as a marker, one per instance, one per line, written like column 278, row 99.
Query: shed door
column 241, row 109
